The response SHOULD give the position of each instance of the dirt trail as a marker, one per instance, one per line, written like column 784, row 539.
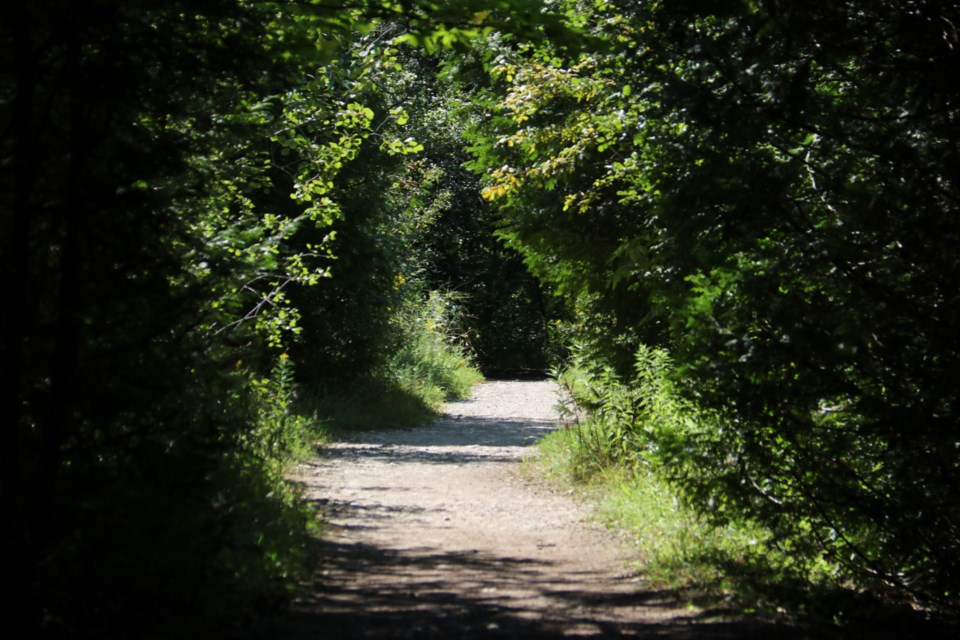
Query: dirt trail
column 434, row 533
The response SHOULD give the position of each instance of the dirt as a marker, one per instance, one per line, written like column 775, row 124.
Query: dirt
column 435, row 532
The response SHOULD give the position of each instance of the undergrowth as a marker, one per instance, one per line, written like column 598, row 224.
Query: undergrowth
column 674, row 547
column 434, row 361
column 184, row 529
column 430, row 365
column 621, row 446
column 371, row 402
column 606, row 450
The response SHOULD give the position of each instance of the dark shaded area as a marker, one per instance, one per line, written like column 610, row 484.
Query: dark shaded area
column 365, row 590
column 516, row 374
column 440, row 608
column 506, row 313
column 491, row 432
column 125, row 492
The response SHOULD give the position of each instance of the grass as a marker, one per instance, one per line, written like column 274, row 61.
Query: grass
column 737, row 567
column 406, row 394
column 674, row 547
column 434, row 362
column 431, row 365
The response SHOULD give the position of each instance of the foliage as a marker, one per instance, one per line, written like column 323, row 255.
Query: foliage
column 409, row 224
column 503, row 307
column 766, row 192
column 174, row 177
column 434, row 357
column 433, row 364
column 371, row 402
column 147, row 245
column 672, row 545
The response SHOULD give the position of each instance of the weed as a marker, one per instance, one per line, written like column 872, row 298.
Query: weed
column 434, row 361
column 608, row 452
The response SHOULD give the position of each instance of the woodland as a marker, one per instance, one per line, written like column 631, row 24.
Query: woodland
column 729, row 226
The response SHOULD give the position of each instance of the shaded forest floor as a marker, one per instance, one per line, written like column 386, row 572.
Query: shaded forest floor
column 434, row 533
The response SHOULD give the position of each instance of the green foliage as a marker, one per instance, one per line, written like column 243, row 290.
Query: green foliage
column 630, row 447
column 409, row 224
column 765, row 193
column 384, row 200
column 502, row 307
column 184, row 510
column 147, row 242
column 432, row 365
column 366, row 403
column 281, row 433
column 434, row 358
column 672, row 545
column 678, row 540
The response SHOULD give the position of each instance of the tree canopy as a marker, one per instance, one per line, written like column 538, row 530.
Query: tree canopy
column 768, row 193
column 206, row 208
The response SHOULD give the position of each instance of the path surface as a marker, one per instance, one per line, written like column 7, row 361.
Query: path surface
column 434, row 533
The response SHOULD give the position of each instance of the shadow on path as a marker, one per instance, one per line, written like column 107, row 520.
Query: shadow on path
column 399, row 558
column 414, row 596
column 454, row 431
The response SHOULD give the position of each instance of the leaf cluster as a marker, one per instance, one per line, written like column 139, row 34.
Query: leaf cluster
column 767, row 193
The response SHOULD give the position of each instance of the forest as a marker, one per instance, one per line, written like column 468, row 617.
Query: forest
column 730, row 228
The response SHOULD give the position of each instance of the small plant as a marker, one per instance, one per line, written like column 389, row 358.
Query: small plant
column 434, row 359
column 623, row 446
column 280, row 433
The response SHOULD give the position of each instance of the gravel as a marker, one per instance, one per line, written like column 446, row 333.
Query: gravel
column 434, row 532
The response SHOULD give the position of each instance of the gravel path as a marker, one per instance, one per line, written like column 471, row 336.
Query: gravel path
column 434, row 533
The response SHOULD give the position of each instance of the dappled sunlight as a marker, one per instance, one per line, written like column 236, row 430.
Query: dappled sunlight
column 433, row 533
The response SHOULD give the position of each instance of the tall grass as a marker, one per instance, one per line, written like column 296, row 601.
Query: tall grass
column 607, row 453
column 430, row 363
column 673, row 547
column 434, row 360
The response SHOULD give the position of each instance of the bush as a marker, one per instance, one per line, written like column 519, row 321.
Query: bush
column 434, row 359
column 636, row 445
column 430, row 364
column 182, row 518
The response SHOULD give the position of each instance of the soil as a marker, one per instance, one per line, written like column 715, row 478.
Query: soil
column 434, row 532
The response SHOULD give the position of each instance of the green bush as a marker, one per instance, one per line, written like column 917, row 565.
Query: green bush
column 178, row 520
column 634, row 446
column 673, row 546
column 430, row 364
column 434, row 358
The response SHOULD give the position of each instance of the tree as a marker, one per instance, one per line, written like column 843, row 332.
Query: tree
column 768, row 193
column 169, row 177
column 137, row 145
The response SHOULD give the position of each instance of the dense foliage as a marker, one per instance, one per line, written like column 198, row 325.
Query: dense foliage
column 167, row 181
column 746, row 211
column 769, row 193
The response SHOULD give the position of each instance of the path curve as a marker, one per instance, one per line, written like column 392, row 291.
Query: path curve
column 434, row 533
